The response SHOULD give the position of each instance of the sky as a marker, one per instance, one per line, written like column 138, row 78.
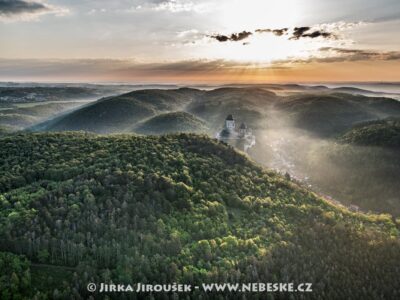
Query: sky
column 199, row 41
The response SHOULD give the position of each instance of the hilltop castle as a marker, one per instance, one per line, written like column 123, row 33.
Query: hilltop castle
column 242, row 138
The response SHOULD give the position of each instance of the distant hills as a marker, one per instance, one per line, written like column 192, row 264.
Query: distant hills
column 330, row 114
column 249, row 105
column 384, row 133
column 321, row 114
column 21, row 116
column 123, row 113
column 23, row 105
column 41, row 94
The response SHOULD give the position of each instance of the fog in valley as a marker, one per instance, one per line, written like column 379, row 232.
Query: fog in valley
column 360, row 177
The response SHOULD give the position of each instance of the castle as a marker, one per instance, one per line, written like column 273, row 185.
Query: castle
column 242, row 138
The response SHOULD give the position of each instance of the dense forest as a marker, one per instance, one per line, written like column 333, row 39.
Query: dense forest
column 120, row 113
column 173, row 122
column 78, row 208
column 383, row 133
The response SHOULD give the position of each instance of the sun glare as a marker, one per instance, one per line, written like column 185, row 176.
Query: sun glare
column 263, row 48
column 251, row 15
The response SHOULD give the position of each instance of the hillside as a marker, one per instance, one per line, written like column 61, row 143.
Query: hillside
column 384, row 133
column 326, row 115
column 363, row 164
column 181, row 208
column 248, row 104
column 21, row 116
column 320, row 113
column 17, row 94
column 174, row 122
column 5, row 129
column 16, row 121
column 365, row 176
column 121, row 113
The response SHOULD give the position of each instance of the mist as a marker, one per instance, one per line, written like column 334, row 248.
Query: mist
column 363, row 178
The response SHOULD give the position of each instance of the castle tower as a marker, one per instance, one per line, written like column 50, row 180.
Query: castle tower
column 230, row 123
column 243, row 129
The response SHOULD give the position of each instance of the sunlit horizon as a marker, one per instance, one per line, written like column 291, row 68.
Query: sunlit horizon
column 181, row 41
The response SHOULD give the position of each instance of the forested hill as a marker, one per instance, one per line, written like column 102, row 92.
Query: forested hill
column 180, row 208
column 384, row 133
column 120, row 113
column 174, row 122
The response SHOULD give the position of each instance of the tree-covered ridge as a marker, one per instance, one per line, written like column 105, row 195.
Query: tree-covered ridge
column 5, row 129
column 17, row 118
column 174, row 122
column 120, row 113
column 320, row 113
column 385, row 133
column 180, row 208
column 44, row 93
column 327, row 115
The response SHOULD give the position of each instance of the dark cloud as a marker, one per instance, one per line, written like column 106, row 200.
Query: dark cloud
column 220, row 37
column 277, row 32
column 298, row 32
column 304, row 32
column 266, row 30
column 16, row 7
column 319, row 33
column 234, row 37
column 240, row 36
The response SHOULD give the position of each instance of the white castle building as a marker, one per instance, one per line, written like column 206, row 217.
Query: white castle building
column 242, row 138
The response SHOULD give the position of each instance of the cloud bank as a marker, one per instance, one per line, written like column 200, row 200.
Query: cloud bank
column 23, row 10
column 339, row 55
column 131, row 70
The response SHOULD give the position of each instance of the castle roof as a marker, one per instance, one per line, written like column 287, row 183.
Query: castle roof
column 229, row 118
column 243, row 126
